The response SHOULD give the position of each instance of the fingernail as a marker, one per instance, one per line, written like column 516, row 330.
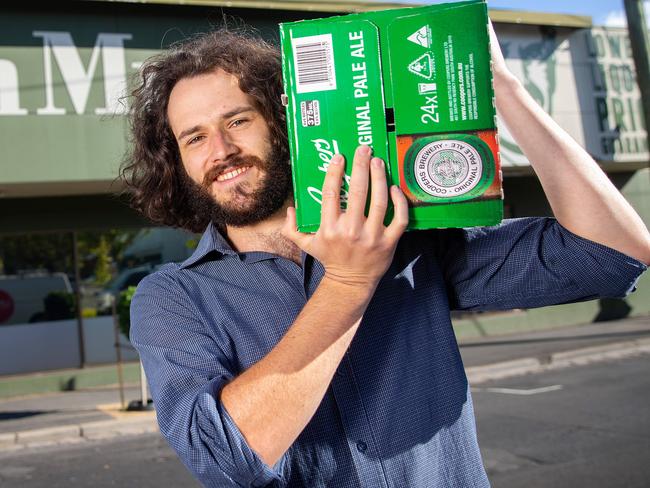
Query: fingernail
column 365, row 150
column 336, row 159
column 377, row 162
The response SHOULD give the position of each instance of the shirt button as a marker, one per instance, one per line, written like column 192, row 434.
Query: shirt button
column 362, row 446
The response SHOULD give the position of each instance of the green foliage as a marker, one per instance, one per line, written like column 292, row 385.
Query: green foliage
column 97, row 246
column 123, row 307
column 59, row 305
column 192, row 243
column 103, row 262
column 53, row 251
column 115, row 240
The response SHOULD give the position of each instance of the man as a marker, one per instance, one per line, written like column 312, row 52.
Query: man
column 277, row 358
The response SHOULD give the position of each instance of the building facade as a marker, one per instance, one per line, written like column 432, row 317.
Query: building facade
column 66, row 67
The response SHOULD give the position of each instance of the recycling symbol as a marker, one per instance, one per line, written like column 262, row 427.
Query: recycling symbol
column 422, row 66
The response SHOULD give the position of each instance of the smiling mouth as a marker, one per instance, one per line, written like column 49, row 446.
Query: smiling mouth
column 233, row 173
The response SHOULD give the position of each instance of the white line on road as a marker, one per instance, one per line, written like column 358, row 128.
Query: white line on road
column 515, row 391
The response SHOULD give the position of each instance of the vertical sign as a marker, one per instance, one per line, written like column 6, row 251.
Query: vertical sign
column 616, row 96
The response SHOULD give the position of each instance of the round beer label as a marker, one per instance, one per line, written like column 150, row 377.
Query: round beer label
column 448, row 168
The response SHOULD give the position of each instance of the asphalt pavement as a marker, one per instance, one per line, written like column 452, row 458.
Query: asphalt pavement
column 68, row 417
column 572, row 427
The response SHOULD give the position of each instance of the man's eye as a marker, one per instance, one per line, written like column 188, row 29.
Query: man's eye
column 238, row 122
column 194, row 139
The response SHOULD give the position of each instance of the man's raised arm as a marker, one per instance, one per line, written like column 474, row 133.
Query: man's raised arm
column 583, row 199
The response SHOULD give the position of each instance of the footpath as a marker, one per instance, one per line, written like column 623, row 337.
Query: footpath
column 96, row 413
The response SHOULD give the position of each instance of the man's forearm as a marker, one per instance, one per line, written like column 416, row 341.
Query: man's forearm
column 273, row 401
column 583, row 199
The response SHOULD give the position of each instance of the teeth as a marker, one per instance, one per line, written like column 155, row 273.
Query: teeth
column 231, row 174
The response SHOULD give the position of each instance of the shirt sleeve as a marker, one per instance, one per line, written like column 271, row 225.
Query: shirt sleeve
column 186, row 370
column 527, row 263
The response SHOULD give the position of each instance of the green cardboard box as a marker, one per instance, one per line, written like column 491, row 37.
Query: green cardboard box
column 413, row 83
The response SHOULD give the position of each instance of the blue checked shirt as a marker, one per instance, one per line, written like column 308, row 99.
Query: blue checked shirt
column 398, row 412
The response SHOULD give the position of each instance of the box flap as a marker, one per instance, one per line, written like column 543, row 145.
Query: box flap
column 335, row 72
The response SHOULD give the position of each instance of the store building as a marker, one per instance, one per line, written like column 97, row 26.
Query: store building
column 66, row 66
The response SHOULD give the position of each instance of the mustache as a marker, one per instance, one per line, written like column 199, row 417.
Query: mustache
column 235, row 162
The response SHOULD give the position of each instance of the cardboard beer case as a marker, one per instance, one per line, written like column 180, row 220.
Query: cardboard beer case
column 413, row 83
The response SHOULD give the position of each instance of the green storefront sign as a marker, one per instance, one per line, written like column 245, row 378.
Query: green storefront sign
column 65, row 68
column 64, row 74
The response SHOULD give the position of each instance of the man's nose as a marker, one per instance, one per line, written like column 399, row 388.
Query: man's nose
column 223, row 147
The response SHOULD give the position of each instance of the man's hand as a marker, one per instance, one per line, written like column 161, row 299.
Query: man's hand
column 354, row 249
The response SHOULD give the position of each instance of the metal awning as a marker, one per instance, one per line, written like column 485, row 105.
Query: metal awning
column 341, row 6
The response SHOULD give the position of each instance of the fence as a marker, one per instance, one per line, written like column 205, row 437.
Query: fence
column 42, row 346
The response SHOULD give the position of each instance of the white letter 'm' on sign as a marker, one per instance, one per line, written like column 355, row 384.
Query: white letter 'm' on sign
column 76, row 78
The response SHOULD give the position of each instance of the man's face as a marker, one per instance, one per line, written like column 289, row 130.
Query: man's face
column 233, row 172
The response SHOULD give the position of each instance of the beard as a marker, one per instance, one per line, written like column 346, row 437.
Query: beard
column 248, row 205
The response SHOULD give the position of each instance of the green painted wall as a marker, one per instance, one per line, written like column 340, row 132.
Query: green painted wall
column 68, row 380
column 637, row 191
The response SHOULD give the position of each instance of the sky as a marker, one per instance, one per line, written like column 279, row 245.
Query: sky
column 602, row 12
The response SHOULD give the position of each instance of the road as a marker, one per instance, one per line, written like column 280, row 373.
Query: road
column 143, row 461
column 582, row 426
column 585, row 426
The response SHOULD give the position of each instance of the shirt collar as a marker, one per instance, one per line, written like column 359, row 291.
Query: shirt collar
column 211, row 241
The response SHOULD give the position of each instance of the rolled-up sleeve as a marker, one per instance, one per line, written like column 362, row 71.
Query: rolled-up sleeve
column 530, row 262
column 187, row 368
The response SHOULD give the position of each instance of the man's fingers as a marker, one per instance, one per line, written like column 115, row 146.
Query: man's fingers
column 378, row 194
column 358, row 192
column 331, row 206
column 401, row 214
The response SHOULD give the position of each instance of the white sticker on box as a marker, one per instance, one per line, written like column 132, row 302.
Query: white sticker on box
column 313, row 58
column 310, row 113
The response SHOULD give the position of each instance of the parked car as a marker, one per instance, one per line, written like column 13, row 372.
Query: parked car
column 22, row 296
column 124, row 279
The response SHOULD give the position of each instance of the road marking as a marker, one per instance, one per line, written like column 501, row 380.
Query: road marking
column 515, row 391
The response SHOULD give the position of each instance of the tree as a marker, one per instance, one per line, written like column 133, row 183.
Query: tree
column 123, row 309
column 53, row 251
column 103, row 262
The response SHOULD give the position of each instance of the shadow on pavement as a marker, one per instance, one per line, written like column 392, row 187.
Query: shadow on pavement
column 21, row 414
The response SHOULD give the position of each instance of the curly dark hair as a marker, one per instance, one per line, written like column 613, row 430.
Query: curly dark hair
column 152, row 171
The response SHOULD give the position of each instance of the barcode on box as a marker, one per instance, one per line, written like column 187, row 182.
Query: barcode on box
column 314, row 63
